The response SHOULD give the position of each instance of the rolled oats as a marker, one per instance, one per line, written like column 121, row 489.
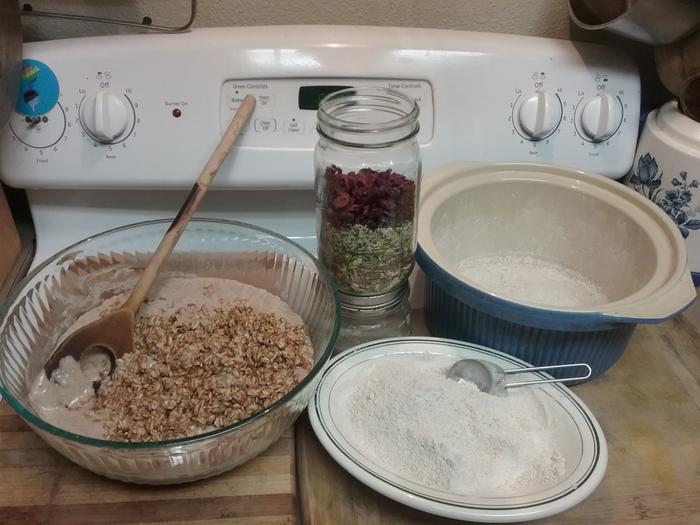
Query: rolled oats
column 201, row 368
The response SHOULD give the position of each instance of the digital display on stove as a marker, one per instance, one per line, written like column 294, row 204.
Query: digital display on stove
column 311, row 96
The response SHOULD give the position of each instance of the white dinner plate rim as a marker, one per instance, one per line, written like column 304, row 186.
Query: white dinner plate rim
column 354, row 465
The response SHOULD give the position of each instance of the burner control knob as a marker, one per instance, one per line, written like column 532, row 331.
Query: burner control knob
column 105, row 116
column 601, row 117
column 540, row 115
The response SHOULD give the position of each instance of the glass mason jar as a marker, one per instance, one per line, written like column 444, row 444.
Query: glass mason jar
column 368, row 168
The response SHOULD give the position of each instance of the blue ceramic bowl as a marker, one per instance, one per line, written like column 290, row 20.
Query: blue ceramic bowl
column 595, row 226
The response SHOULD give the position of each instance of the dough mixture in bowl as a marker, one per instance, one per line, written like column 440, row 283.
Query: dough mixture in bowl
column 208, row 352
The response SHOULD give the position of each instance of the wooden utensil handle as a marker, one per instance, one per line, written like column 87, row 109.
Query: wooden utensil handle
column 206, row 177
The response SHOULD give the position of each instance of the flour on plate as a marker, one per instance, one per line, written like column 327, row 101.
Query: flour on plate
column 408, row 417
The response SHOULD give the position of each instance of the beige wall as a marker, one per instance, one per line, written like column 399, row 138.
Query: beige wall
column 528, row 17
column 547, row 18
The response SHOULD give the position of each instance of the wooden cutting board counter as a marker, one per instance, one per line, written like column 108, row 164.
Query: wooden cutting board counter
column 648, row 404
column 40, row 487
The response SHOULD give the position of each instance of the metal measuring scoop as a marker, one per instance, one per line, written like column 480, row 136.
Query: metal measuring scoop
column 491, row 378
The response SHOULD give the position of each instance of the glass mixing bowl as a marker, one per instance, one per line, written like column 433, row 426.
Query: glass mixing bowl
column 75, row 280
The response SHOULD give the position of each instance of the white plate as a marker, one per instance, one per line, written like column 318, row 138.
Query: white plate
column 580, row 438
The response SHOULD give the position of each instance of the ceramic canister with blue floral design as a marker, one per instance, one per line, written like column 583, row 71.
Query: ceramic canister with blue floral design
column 666, row 170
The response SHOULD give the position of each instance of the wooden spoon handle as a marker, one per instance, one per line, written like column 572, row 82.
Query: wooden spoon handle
column 169, row 240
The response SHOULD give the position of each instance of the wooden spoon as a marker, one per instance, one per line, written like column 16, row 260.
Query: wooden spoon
column 114, row 333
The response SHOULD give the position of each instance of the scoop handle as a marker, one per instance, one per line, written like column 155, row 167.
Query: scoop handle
column 550, row 367
column 206, row 177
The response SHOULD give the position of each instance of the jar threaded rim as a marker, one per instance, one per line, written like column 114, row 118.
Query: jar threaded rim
column 347, row 112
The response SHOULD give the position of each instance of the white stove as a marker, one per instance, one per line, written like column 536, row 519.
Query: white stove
column 113, row 130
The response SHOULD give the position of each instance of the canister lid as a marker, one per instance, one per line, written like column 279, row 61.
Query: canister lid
column 678, row 131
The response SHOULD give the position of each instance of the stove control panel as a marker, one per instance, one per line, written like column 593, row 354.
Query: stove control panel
column 285, row 113
column 593, row 118
column 145, row 111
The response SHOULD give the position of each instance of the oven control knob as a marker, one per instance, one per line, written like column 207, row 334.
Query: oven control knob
column 105, row 116
column 540, row 115
column 601, row 117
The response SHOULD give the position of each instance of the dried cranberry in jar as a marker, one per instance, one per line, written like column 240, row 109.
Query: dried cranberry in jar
column 369, row 197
